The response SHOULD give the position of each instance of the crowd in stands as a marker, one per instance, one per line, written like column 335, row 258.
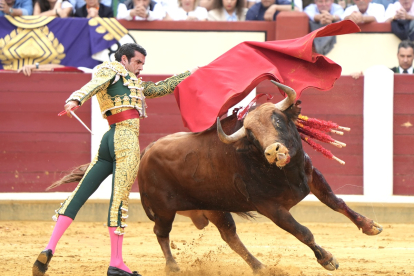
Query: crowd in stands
column 399, row 13
column 321, row 12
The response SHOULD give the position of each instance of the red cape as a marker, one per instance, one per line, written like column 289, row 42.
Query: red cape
column 213, row 89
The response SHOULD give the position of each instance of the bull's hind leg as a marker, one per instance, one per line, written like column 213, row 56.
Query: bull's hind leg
column 227, row 228
column 284, row 220
column 162, row 228
column 321, row 189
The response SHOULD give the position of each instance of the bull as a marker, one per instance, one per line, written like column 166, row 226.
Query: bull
column 261, row 167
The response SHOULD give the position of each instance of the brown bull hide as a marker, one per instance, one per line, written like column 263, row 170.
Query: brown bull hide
column 196, row 171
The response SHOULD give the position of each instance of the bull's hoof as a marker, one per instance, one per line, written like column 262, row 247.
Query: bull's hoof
column 331, row 265
column 374, row 229
column 259, row 269
column 172, row 268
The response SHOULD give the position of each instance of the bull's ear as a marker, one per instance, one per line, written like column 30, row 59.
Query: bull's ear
column 294, row 110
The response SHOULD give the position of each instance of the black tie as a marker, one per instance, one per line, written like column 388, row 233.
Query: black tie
column 405, row 72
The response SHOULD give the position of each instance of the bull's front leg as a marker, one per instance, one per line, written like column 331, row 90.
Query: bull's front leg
column 284, row 220
column 227, row 228
column 321, row 189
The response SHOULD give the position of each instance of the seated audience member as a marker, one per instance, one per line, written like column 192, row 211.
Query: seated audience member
column 401, row 15
column 405, row 56
column 77, row 4
column 385, row 3
column 324, row 12
column 298, row 3
column 140, row 10
column 93, row 8
column 53, row 8
column 320, row 14
column 16, row 7
column 268, row 9
column 228, row 10
column 187, row 10
column 364, row 12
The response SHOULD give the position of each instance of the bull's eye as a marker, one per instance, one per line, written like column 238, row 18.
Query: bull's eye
column 276, row 122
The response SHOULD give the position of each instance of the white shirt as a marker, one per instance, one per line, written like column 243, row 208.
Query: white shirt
column 179, row 14
column 375, row 10
column 393, row 8
column 409, row 70
column 157, row 14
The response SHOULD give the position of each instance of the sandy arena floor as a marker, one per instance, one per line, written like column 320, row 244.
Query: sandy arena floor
column 84, row 249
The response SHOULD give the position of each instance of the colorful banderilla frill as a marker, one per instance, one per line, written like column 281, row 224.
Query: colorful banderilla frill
column 316, row 129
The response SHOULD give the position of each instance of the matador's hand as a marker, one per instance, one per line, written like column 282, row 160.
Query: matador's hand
column 68, row 107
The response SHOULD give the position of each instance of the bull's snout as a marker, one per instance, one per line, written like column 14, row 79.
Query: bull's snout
column 277, row 153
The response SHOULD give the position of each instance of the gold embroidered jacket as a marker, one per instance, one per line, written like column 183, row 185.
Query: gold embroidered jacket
column 117, row 96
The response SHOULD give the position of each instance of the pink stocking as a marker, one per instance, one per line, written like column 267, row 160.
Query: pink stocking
column 62, row 224
column 116, row 250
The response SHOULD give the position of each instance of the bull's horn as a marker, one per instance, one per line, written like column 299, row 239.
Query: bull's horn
column 289, row 100
column 228, row 139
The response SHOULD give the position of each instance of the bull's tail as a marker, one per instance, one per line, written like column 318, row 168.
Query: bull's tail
column 246, row 215
column 74, row 176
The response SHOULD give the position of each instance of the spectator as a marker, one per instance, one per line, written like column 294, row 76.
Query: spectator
column 268, row 9
column 323, row 12
column 298, row 3
column 401, row 15
column 93, row 8
column 385, row 3
column 77, row 4
column 405, row 56
column 364, row 12
column 228, row 10
column 140, row 10
column 53, row 8
column 16, row 7
column 187, row 10
column 320, row 14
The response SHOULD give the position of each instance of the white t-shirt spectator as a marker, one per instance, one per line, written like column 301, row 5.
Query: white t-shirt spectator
column 312, row 10
column 180, row 14
column 157, row 14
column 393, row 8
column 375, row 10
column 298, row 3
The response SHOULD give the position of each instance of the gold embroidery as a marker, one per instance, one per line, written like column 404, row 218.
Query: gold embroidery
column 29, row 21
column 162, row 88
column 127, row 153
column 138, row 90
column 110, row 25
column 28, row 46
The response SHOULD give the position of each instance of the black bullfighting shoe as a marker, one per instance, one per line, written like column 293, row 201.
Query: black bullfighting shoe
column 42, row 263
column 114, row 271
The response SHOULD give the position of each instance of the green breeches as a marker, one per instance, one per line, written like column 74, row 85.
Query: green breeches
column 119, row 155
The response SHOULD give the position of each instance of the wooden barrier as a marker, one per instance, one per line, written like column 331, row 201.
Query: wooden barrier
column 37, row 146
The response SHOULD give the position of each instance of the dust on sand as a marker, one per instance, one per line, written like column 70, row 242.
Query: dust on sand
column 85, row 250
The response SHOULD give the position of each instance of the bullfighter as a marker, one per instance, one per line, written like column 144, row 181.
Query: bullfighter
column 121, row 96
